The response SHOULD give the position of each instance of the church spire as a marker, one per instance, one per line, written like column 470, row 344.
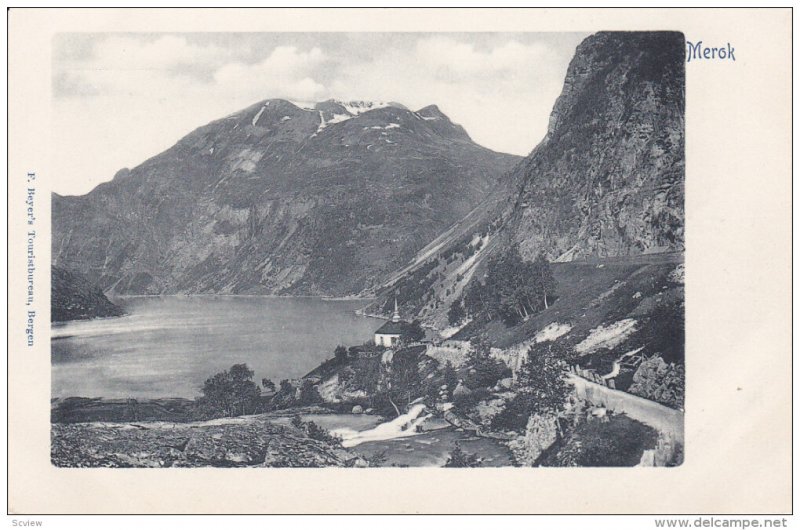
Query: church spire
column 396, row 315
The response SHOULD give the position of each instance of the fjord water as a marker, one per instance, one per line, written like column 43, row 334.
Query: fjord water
column 168, row 346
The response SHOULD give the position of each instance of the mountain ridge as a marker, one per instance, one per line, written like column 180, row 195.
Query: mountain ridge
column 278, row 199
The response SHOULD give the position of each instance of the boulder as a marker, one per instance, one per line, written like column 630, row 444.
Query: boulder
column 358, row 409
column 461, row 390
column 659, row 381
column 540, row 433
column 505, row 383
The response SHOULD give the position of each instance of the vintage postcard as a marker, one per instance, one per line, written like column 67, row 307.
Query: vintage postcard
column 390, row 243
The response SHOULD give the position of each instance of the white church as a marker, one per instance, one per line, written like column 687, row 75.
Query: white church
column 393, row 331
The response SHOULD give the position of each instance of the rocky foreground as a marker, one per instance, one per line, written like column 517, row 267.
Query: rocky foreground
column 251, row 441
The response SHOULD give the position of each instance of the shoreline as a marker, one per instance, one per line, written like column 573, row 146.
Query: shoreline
column 232, row 295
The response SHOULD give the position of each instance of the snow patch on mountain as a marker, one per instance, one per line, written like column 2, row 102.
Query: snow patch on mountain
column 338, row 118
column 259, row 113
column 322, row 124
column 359, row 107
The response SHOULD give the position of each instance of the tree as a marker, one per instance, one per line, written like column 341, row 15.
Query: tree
column 513, row 289
column 366, row 374
column 415, row 331
column 456, row 314
column 545, row 281
column 309, row 394
column 340, row 353
column 286, row 387
column 232, row 392
column 542, row 374
column 542, row 387
column 404, row 378
column 268, row 385
column 484, row 370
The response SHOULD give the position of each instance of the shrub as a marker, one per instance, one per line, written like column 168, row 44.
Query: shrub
column 458, row 458
column 315, row 432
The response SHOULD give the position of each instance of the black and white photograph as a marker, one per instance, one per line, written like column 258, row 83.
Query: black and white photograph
column 377, row 261
column 368, row 250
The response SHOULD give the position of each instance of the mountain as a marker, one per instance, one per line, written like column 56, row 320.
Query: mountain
column 279, row 198
column 73, row 297
column 607, row 181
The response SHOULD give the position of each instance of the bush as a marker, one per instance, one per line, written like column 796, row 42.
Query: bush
column 465, row 402
column 617, row 442
column 458, row 458
column 314, row 431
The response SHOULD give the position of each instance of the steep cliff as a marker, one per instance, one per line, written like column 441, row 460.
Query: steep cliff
column 279, row 198
column 606, row 181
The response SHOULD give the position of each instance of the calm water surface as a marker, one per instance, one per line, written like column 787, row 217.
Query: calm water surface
column 168, row 346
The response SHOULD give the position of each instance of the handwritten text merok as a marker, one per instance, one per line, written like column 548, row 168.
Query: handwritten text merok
column 699, row 52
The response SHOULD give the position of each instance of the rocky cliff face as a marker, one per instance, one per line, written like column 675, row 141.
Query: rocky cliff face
column 73, row 297
column 280, row 199
column 607, row 180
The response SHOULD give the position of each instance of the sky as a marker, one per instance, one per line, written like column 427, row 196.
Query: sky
column 121, row 98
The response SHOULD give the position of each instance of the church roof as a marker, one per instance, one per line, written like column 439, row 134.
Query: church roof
column 393, row 328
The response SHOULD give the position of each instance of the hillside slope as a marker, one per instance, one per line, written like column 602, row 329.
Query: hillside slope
column 73, row 297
